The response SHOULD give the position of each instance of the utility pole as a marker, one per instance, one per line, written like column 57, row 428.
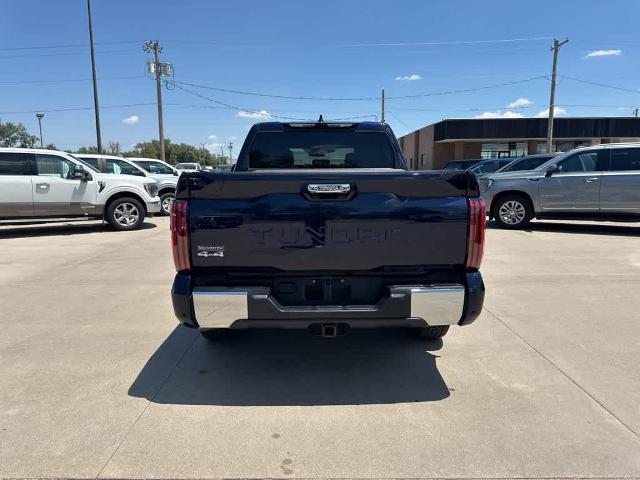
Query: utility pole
column 382, row 113
column 230, row 152
column 222, row 154
column 635, row 113
column 96, row 107
column 552, row 98
column 39, row 116
column 154, row 46
column 204, row 154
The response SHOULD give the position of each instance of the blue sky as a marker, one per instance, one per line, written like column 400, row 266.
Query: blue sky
column 320, row 49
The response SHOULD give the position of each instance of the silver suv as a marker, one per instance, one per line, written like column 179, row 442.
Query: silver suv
column 595, row 183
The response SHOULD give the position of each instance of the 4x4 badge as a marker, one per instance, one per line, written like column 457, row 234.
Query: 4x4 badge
column 212, row 251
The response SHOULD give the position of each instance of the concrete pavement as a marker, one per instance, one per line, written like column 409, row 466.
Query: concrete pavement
column 97, row 380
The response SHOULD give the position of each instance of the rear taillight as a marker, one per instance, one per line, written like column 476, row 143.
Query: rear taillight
column 475, row 241
column 180, row 235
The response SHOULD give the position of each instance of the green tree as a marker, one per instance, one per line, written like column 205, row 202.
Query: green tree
column 174, row 152
column 51, row 146
column 113, row 148
column 16, row 135
column 87, row 150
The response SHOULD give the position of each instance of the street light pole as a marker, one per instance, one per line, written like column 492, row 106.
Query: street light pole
column 39, row 116
column 95, row 82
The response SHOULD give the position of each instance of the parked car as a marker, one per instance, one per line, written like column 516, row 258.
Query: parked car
column 154, row 166
column 223, row 168
column 596, row 183
column 49, row 184
column 490, row 166
column 321, row 227
column 526, row 162
column 462, row 164
column 188, row 167
column 119, row 165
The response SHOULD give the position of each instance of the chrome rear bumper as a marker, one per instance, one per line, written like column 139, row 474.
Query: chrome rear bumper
column 242, row 307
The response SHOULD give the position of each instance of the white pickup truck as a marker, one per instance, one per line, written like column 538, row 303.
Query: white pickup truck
column 50, row 185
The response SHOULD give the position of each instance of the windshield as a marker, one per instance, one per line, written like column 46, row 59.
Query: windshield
column 486, row 167
column 527, row 163
column 120, row 167
column 85, row 164
column 155, row 168
column 187, row 166
column 321, row 148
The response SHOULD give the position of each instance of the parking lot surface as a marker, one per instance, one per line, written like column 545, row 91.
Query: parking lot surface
column 97, row 379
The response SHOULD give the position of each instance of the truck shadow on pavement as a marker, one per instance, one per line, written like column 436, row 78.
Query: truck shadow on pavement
column 278, row 368
column 44, row 230
column 579, row 228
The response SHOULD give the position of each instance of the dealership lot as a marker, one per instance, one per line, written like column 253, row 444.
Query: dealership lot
column 96, row 378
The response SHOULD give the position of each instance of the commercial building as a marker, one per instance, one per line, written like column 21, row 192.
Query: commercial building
column 431, row 147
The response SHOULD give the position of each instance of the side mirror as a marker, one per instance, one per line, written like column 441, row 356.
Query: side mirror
column 79, row 173
column 551, row 170
column 175, row 172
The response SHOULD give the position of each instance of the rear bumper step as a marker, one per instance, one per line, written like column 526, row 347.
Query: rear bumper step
column 247, row 307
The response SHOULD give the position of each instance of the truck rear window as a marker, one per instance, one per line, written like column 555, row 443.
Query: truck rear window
column 321, row 148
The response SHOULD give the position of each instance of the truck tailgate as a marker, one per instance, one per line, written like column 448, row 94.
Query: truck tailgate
column 297, row 221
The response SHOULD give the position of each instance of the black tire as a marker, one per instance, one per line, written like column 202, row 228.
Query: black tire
column 434, row 333
column 517, row 209
column 217, row 334
column 163, row 198
column 117, row 218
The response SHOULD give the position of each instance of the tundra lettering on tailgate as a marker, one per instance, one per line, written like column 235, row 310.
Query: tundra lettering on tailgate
column 299, row 236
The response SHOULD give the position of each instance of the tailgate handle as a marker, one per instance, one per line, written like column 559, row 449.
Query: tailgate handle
column 328, row 188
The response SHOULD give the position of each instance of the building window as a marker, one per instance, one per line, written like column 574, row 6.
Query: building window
column 501, row 150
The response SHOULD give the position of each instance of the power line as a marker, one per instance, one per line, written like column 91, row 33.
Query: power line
column 73, row 45
column 467, row 90
column 66, row 54
column 74, row 109
column 68, row 80
column 400, row 121
column 269, row 95
column 232, row 107
column 452, row 42
column 258, row 113
column 349, row 99
column 604, row 85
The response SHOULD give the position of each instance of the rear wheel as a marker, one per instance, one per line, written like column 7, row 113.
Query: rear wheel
column 125, row 214
column 513, row 211
column 434, row 333
column 166, row 200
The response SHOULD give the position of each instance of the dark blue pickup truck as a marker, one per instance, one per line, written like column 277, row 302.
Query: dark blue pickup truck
column 321, row 226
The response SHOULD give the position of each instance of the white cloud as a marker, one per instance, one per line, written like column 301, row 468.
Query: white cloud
column 520, row 102
column 557, row 111
column 604, row 53
column 213, row 137
column 214, row 147
column 132, row 120
column 414, row 76
column 260, row 114
column 231, row 139
column 500, row 114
